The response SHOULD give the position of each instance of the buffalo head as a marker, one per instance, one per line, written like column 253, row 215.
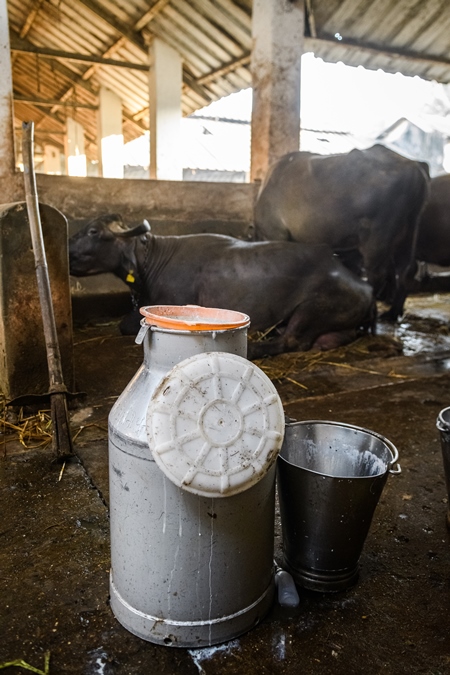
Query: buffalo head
column 102, row 245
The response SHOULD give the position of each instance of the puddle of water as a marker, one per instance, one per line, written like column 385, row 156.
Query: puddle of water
column 424, row 326
column 200, row 655
column 434, row 306
column 415, row 342
column 98, row 662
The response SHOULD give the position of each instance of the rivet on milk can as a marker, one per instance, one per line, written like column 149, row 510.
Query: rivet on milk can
column 443, row 425
column 193, row 442
column 330, row 478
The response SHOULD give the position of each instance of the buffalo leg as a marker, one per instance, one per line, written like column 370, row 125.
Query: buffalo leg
column 296, row 337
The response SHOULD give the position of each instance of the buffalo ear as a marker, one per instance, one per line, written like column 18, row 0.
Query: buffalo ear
column 132, row 231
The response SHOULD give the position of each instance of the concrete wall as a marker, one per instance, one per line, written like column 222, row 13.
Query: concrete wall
column 171, row 207
column 23, row 360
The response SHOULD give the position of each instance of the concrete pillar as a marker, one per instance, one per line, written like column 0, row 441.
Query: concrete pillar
column 52, row 160
column 165, row 112
column 110, row 135
column 7, row 157
column 278, row 32
column 23, row 356
column 75, row 153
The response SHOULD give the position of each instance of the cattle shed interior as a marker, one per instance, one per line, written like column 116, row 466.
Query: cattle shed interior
column 71, row 59
column 63, row 55
column 84, row 71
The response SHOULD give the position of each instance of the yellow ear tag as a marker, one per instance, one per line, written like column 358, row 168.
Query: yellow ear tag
column 130, row 278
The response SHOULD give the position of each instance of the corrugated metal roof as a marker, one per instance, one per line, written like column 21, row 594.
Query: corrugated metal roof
column 407, row 36
column 214, row 39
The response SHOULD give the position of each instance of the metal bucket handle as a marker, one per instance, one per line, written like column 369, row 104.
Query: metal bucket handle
column 441, row 423
column 394, row 451
column 442, row 426
column 397, row 470
column 392, row 448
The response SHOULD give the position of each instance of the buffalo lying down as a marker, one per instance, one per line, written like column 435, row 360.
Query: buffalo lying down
column 305, row 288
column 365, row 203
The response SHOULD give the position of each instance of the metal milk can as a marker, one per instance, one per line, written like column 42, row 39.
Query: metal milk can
column 193, row 441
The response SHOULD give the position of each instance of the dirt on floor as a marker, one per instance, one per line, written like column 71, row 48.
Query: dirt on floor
column 54, row 529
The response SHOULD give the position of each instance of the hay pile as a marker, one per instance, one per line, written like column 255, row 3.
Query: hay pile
column 289, row 367
column 32, row 430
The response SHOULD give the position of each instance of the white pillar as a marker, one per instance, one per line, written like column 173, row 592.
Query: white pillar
column 74, row 144
column 110, row 135
column 7, row 157
column 52, row 160
column 278, row 32
column 165, row 112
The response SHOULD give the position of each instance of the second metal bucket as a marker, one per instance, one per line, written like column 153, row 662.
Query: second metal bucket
column 330, row 478
column 443, row 425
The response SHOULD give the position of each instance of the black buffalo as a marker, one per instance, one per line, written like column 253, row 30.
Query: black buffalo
column 303, row 288
column 433, row 240
column 365, row 203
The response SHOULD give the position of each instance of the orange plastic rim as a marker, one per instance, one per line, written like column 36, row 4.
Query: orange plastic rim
column 193, row 317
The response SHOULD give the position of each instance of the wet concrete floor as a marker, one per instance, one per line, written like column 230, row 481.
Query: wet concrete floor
column 54, row 528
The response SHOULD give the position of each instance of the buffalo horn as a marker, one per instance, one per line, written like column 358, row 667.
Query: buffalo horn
column 132, row 231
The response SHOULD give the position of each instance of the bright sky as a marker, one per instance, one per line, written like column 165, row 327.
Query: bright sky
column 335, row 97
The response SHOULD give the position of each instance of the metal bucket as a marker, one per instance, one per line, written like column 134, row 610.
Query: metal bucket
column 330, row 478
column 443, row 425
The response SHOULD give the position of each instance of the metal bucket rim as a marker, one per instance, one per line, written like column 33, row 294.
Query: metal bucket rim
column 391, row 447
column 441, row 423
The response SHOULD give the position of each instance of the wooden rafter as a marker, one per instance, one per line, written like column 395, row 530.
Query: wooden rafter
column 17, row 46
column 32, row 14
column 150, row 14
column 68, row 73
column 311, row 18
column 131, row 35
column 136, row 123
column 136, row 38
column 225, row 70
column 47, row 103
column 92, row 69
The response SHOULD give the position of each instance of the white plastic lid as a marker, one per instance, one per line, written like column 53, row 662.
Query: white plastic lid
column 215, row 424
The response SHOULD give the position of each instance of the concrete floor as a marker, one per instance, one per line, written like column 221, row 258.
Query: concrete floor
column 54, row 529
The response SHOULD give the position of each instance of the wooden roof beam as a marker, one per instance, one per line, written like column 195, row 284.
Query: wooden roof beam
column 66, row 72
column 88, row 73
column 150, row 14
column 48, row 115
column 136, row 123
column 131, row 35
column 224, row 70
column 32, row 14
column 47, row 103
column 136, row 38
column 18, row 46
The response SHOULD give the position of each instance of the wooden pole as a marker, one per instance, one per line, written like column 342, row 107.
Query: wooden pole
column 62, row 442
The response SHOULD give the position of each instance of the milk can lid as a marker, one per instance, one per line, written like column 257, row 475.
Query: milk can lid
column 215, row 424
column 193, row 317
